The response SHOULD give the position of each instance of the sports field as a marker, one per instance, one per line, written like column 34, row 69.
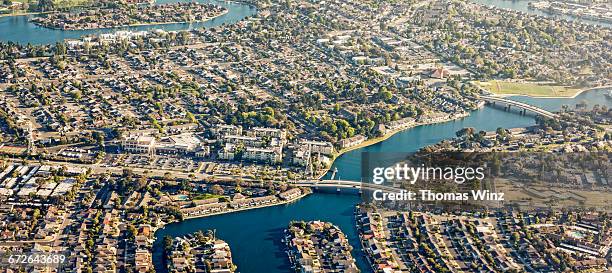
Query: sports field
column 528, row 89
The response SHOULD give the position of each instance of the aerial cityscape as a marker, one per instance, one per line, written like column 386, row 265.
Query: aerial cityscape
column 265, row 136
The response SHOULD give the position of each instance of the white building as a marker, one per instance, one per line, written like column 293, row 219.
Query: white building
column 263, row 155
column 321, row 147
column 228, row 152
column 138, row 144
column 179, row 144
column 353, row 141
column 203, row 152
column 244, row 140
column 223, row 130
column 269, row 132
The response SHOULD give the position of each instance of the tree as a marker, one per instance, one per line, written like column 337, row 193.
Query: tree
column 270, row 187
column 35, row 214
column 45, row 5
column 191, row 117
column 217, row 190
column 142, row 182
column 60, row 49
column 131, row 231
column 465, row 132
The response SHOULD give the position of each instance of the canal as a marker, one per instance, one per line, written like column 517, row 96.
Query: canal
column 19, row 29
column 255, row 235
column 523, row 5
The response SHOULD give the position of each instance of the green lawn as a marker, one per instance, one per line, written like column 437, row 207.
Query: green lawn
column 528, row 89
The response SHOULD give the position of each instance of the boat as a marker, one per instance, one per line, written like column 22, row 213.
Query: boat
column 608, row 95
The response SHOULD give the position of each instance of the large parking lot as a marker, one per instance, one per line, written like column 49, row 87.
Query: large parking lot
column 158, row 162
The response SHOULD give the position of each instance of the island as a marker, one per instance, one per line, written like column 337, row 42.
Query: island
column 317, row 246
column 134, row 15
column 198, row 252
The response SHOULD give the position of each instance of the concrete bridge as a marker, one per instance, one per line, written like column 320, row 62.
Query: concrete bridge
column 344, row 184
column 525, row 107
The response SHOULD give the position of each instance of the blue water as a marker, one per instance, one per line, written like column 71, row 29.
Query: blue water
column 18, row 28
column 255, row 235
column 487, row 119
column 554, row 104
column 522, row 5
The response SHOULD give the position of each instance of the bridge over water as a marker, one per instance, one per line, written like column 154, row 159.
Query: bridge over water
column 524, row 106
column 344, row 184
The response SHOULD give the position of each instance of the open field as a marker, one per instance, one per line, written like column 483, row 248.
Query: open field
column 528, row 89
column 552, row 196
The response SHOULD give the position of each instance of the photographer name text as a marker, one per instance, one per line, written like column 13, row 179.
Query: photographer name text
column 428, row 195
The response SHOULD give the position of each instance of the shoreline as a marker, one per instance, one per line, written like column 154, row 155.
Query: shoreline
column 546, row 9
column 386, row 136
column 26, row 13
column 226, row 11
column 162, row 224
column 282, row 202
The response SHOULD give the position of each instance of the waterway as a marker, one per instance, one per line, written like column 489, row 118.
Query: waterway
column 522, row 5
column 20, row 30
column 255, row 235
column 591, row 97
